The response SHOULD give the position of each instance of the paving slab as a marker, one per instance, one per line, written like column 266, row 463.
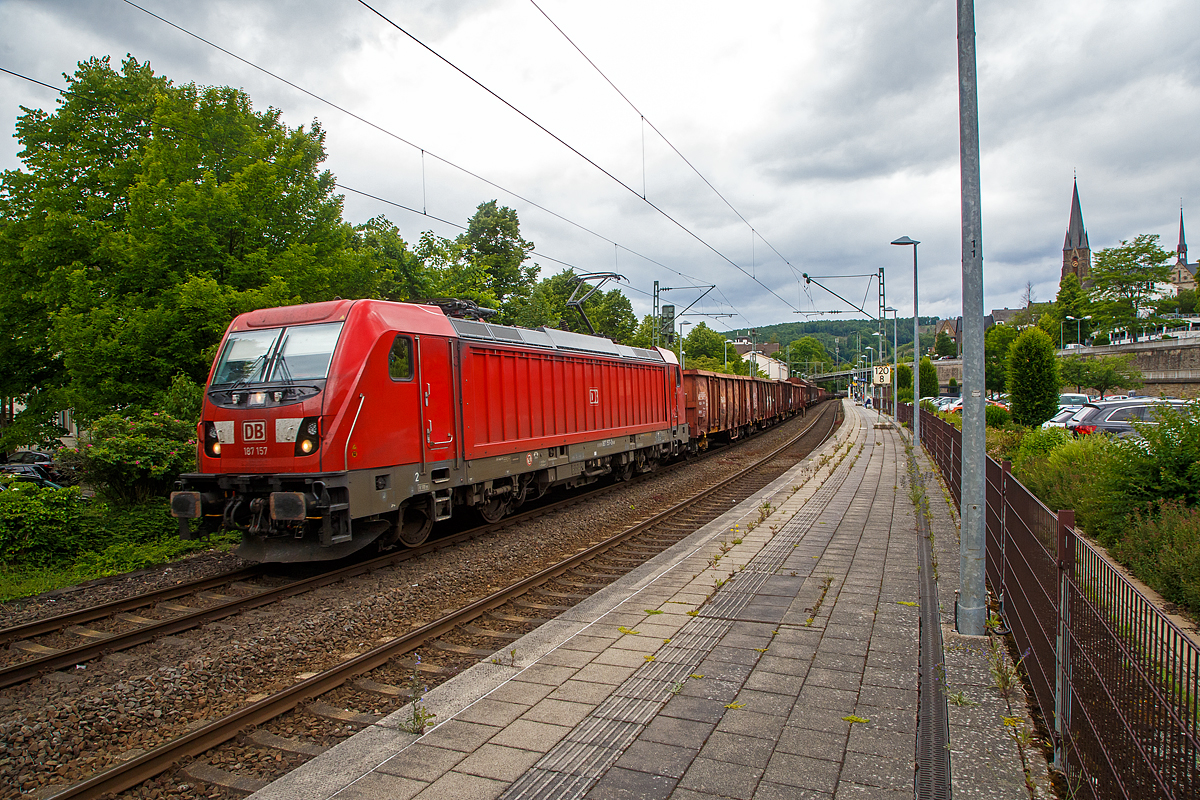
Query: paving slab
column 797, row 677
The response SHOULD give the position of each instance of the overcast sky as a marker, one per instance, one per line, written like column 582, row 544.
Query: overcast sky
column 830, row 126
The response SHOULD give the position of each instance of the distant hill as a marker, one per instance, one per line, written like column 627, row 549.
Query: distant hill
column 847, row 332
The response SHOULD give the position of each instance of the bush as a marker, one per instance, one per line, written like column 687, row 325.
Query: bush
column 1039, row 443
column 1070, row 475
column 130, row 460
column 1032, row 378
column 997, row 417
column 42, row 527
column 1003, row 443
column 1162, row 547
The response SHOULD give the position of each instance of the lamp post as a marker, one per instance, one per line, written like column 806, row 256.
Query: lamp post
column 1078, row 327
column 904, row 240
column 895, row 361
column 871, row 374
column 681, row 356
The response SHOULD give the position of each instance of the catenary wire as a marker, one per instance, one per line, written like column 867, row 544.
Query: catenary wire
column 567, row 145
column 445, row 161
column 661, row 135
column 421, row 213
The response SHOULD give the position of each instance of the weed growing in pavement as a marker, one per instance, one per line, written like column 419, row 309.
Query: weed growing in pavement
column 1005, row 674
column 817, row 605
column 764, row 511
column 511, row 661
column 960, row 698
column 417, row 718
column 676, row 687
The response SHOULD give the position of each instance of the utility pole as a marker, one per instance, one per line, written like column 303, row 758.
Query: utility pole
column 972, row 609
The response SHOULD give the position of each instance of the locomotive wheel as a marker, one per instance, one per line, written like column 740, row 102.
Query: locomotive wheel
column 625, row 472
column 494, row 509
column 416, row 522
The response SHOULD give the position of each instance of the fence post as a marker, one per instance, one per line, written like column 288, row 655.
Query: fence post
column 1005, row 474
column 1062, row 652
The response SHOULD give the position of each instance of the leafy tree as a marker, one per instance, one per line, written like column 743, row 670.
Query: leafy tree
column 1124, row 279
column 145, row 217
column 493, row 241
column 904, row 380
column 952, row 386
column 944, row 346
column 996, row 342
column 1075, row 371
column 1072, row 302
column 610, row 312
column 1108, row 372
column 805, row 350
column 704, row 341
column 1032, row 378
column 930, row 387
column 1187, row 301
column 400, row 273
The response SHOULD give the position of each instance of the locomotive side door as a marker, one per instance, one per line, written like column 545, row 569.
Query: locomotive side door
column 435, row 361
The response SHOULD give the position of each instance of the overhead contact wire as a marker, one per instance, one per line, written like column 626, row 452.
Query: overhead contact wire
column 661, row 135
column 570, row 147
column 401, row 139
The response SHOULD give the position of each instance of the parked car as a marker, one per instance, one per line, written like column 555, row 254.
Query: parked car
column 28, row 473
column 1072, row 400
column 1117, row 416
column 53, row 470
column 1063, row 416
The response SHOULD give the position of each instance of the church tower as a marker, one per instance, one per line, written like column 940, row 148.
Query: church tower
column 1077, row 255
column 1184, row 274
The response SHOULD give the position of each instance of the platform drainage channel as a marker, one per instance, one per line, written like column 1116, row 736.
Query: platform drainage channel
column 933, row 734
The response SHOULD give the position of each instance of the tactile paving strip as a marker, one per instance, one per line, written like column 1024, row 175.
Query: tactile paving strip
column 570, row 769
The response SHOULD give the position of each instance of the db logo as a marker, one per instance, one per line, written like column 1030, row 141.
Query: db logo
column 594, row 397
column 254, row 431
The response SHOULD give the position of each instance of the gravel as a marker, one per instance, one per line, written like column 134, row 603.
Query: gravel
column 66, row 725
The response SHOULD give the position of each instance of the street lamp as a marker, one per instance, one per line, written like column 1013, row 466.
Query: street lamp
column 871, row 374
column 681, row 356
column 904, row 240
column 895, row 362
column 1078, row 329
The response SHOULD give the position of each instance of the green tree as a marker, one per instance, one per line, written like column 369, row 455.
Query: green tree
column 145, row 216
column 1075, row 371
column 1108, row 372
column 1124, row 279
column 904, row 378
column 493, row 241
column 807, row 351
column 1032, row 378
column 400, row 274
column 1071, row 306
column 610, row 312
column 944, row 346
column 704, row 341
column 930, row 387
column 996, row 342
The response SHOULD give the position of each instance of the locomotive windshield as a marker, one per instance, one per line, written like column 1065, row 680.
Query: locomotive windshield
column 277, row 355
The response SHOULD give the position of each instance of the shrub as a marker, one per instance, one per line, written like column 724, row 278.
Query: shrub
column 129, row 460
column 1072, row 476
column 1162, row 547
column 1039, row 443
column 997, row 417
column 1032, row 378
column 41, row 526
column 1002, row 443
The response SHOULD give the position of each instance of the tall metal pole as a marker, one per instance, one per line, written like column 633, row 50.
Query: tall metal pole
column 972, row 599
column 904, row 240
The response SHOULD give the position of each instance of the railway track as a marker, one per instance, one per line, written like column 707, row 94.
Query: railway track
column 119, row 628
column 477, row 630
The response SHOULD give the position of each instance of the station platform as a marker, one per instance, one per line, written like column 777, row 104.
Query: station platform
column 772, row 654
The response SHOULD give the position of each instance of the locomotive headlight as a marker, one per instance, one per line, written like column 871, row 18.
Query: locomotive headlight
column 258, row 398
column 216, row 448
column 308, row 437
column 212, row 440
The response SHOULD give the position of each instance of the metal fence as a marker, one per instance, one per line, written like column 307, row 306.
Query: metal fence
column 1117, row 681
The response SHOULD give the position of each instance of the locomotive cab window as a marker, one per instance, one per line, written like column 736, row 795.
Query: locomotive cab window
column 400, row 359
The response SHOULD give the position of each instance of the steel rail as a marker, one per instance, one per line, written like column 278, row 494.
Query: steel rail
column 152, row 763
column 67, row 619
column 31, row 668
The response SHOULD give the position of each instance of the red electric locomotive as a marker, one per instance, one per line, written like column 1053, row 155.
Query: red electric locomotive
column 330, row 426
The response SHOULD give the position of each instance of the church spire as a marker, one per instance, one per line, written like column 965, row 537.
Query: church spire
column 1181, row 249
column 1077, row 254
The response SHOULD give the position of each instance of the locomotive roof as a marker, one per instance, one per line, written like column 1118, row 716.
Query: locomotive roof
column 551, row 339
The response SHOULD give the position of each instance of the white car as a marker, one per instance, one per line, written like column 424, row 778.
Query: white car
column 1064, row 415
